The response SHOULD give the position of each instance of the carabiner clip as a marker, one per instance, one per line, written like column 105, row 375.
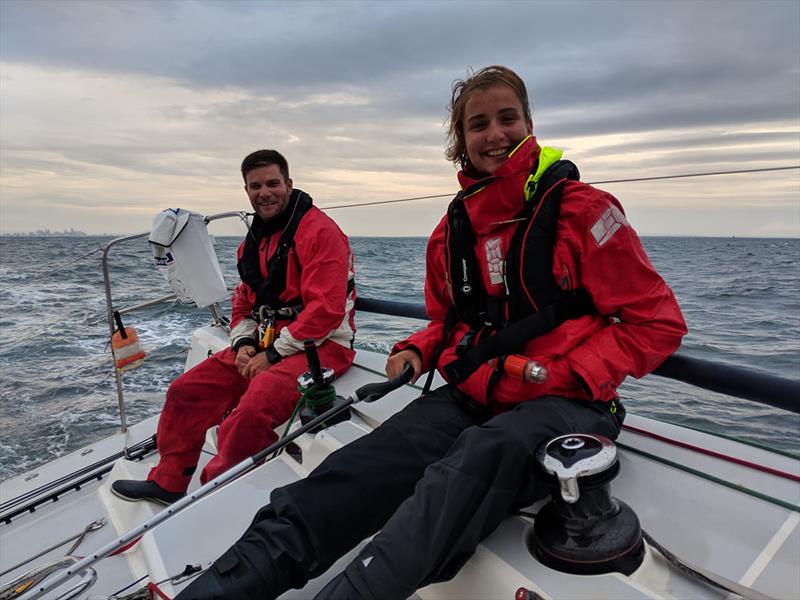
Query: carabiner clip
column 267, row 330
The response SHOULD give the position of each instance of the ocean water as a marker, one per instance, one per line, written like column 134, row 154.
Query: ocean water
column 741, row 299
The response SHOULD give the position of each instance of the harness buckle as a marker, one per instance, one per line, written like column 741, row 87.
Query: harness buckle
column 267, row 318
column 288, row 312
column 265, row 313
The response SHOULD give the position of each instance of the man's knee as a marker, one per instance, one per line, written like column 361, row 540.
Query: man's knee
column 276, row 385
column 176, row 391
column 185, row 385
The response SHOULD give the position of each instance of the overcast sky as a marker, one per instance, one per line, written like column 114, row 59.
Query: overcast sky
column 112, row 111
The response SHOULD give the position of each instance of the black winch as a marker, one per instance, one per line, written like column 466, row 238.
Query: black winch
column 583, row 530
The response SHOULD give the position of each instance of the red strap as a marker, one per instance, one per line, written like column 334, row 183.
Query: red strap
column 127, row 546
column 156, row 593
column 726, row 457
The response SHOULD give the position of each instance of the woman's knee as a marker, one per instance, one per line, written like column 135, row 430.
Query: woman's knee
column 492, row 447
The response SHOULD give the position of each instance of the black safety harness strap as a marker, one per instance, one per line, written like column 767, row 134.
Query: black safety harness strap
column 478, row 310
column 449, row 322
column 289, row 310
column 513, row 338
column 269, row 292
column 469, row 297
column 268, row 289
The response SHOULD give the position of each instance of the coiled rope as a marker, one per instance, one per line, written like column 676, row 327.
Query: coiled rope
column 315, row 397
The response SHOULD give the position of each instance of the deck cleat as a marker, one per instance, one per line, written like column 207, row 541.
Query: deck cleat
column 584, row 530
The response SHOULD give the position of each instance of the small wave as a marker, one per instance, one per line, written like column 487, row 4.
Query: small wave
column 741, row 299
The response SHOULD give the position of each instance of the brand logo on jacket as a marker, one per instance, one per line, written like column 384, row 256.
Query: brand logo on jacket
column 494, row 260
column 607, row 225
column 466, row 288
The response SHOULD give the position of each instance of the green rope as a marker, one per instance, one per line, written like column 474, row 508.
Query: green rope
column 734, row 438
column 697, row 473
column 314, row 397
column 317, row 397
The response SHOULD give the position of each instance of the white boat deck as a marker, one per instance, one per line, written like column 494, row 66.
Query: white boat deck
column 731, row 519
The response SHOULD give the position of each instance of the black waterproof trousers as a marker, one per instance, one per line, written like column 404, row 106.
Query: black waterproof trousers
column 436, row 478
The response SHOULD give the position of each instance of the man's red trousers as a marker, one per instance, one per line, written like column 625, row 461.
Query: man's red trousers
column 203, row 396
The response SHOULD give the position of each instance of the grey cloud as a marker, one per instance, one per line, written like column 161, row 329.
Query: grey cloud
column 688, row 159
column 704, row 140
column 678, row 64
column 636, row 118
column 314, row 44
column 593, row 68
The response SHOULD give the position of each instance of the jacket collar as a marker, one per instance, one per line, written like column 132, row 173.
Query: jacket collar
column 502, row 197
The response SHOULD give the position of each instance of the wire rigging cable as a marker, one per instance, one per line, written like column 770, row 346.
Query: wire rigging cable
column 630, row 180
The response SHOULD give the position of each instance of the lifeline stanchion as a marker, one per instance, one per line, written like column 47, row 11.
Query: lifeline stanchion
column 366, row 393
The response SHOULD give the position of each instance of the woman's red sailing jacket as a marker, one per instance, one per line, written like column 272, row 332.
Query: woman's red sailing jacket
column 638, row 324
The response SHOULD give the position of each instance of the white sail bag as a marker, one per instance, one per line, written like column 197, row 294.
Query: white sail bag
column 184, row 253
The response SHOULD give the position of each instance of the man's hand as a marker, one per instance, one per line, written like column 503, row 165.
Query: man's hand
column 258, row 364
column 397, row 362
column 243, row 356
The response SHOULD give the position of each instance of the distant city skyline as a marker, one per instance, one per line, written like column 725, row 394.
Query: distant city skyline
column 101, row 128
column 47, row 233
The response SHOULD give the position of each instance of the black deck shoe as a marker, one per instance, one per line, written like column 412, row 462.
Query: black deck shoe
column 132, row 490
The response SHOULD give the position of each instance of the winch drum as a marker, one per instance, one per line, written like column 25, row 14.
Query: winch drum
column 584, row 530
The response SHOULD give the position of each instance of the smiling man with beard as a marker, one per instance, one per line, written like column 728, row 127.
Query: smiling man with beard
column 297, row 284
